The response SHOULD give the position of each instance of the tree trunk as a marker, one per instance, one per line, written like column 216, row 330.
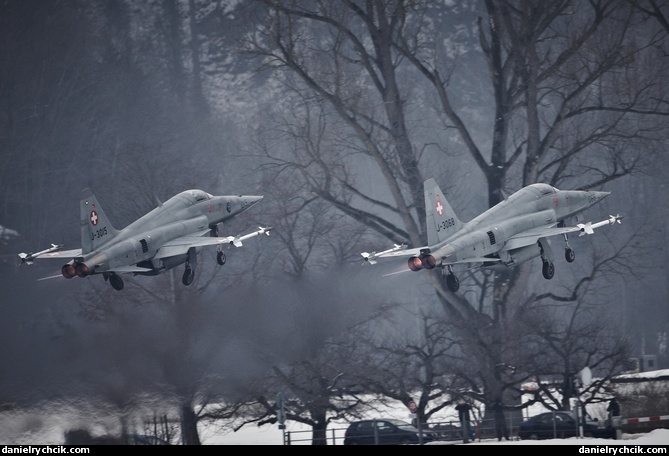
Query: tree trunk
column 189, row 433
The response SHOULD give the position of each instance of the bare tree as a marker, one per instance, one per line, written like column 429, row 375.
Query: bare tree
column 564, row 341
column 576, row 103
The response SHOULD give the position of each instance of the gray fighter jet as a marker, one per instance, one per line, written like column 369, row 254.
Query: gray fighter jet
column 511, row 232
column 170, row 235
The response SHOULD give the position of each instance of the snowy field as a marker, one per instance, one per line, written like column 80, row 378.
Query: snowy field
column 273, row 436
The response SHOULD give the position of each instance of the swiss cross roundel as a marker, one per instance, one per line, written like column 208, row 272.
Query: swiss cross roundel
column 94, row 218
column 440, row 208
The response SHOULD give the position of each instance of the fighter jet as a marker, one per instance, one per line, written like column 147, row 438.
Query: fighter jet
column 512, row 232
column 170, row 235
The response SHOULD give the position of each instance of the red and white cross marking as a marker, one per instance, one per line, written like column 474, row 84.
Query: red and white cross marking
column 94, row 218
column 440, row 208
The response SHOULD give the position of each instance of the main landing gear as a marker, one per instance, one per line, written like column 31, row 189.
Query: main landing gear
column 191, row 264
column 548, row 268
column 114, row 280
column 188, row 276
column 452, row 281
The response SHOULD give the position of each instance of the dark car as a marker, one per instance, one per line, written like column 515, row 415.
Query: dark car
column 560, row 425
column 386, row 431
column 448, row 431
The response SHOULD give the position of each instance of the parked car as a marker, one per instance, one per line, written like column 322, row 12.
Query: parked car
column 560, row 425
column 386, row 431
column 448, row 431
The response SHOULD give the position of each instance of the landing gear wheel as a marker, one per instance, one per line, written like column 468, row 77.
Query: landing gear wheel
column 452, row 282
column 569, row 255
column 188, row 277
column 116, row 282
column 548, row 270
column 220, row 258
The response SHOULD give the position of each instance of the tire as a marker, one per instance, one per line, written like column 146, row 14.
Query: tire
column 116, row 282
column 188, row 277
column 569, row 255
column 548, row 270
column 452, row 283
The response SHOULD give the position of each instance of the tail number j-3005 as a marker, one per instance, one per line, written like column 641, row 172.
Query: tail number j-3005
column 446, row 224
column 99, row 233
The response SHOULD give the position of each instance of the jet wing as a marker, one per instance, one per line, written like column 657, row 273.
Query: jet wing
column 531, row 236
column 180, row 246
column 401, row 251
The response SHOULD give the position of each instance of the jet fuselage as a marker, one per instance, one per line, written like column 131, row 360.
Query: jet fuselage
column 192, row 212
column 535, row 206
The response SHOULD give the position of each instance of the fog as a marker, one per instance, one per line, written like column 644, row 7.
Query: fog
column 140, row 354
column 139, row 101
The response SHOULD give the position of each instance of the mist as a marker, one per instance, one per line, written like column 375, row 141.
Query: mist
column 142, row 357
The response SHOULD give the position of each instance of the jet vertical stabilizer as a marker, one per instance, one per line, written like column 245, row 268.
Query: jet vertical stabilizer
column 441, row 221
column 95, row 227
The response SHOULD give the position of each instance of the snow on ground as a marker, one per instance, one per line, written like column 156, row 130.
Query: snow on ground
column 272, row 435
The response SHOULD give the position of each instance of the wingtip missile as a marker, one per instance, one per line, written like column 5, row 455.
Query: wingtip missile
column 237, row 241
column 371, row 257
column 28, row 258
column 588, row 228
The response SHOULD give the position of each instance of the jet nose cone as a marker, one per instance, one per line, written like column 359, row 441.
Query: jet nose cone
column 596, row 197
column 251, row 200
